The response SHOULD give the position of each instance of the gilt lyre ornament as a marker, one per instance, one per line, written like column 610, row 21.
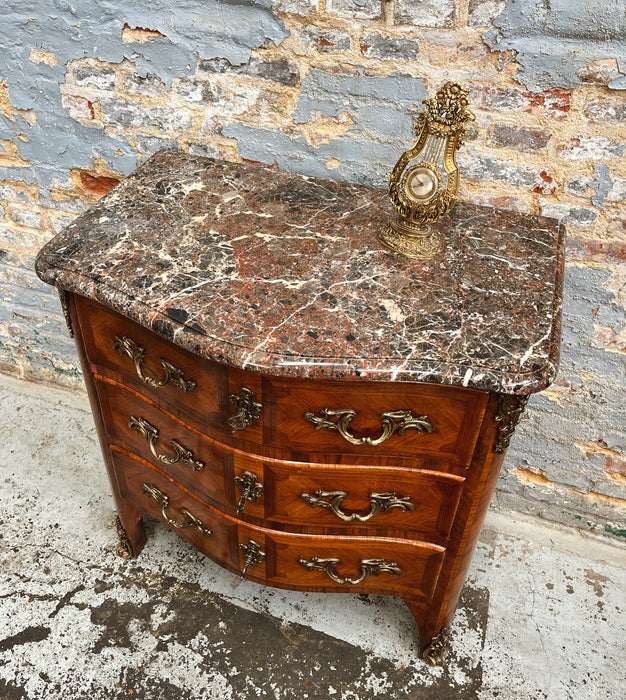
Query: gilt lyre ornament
column 425, row 180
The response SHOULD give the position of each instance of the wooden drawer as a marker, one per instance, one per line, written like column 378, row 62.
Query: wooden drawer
column 196, row 388
column 295, row 417
column 441, row 422
column 303, row 495
column 380, row 565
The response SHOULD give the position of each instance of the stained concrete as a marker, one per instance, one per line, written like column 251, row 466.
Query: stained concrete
column 541, row 615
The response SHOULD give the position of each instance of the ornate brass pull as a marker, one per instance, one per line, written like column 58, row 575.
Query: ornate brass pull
column 250, row 489
column 390, row 426
column 183, row 455
column 253, row 553
column 378, row 502
column 173, row 375
column 189, row 521
column 247, row 407
column 368, row 566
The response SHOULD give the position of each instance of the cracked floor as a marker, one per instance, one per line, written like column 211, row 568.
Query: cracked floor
column 541, row 615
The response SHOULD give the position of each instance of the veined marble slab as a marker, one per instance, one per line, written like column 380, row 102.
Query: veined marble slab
column 281, row 273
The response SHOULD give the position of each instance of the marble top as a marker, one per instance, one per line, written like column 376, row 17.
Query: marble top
column 283, row 274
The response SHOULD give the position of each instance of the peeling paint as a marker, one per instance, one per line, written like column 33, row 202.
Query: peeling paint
column 182, row 33
column 556, row 39
column 602, row 185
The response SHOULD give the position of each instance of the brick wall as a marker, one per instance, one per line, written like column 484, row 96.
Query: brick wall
column 330, row 88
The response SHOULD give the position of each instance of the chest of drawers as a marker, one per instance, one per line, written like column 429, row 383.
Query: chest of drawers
column 306, row 409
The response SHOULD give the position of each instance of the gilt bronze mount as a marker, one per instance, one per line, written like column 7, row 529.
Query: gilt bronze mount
column 510, row 409
column 369, row 567
column 392, row 421
column 172, row 375
column 247, row 407
column 379, row 502
column 425, row 180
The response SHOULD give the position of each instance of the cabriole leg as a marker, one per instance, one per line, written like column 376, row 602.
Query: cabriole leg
column 131, row 535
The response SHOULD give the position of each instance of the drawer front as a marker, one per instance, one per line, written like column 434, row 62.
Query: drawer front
column 310, row 496
column 157, row 436
column 166, row 373
column 396, row 418
column 389, row 419
column 418, row 501
column 295, row 561
column 154, row 493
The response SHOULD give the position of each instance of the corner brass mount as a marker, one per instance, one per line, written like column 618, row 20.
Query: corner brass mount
column 425, row 180
column 510, row 409
column 436, row 652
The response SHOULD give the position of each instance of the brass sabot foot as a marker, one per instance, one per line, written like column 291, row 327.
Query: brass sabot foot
column 436, row 653
column 123, row 548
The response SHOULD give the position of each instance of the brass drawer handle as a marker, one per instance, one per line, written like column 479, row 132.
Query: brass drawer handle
column 189, row 521
column 389, row 419
column 250, row 489
column 378, row 502
column 247, row 407
column 253, row 553
column 183, row 455
column 173, row 375
column 368, row 566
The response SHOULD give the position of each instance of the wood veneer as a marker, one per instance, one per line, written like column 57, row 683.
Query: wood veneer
column 448, row 474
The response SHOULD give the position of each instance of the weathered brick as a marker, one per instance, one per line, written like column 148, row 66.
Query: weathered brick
column 486, row 168
column 25, row 217
column 611, row 111
column 617, row 193
column 501, row 202
column 553, row 103
column 593, row 250
column 606, row 338
column 596, row 148
column 380, row 106
column 498, row 99
column 22, row 238
column 483, row 12
column 579, row 186
column 427, row 13
column 101, row 78
column 13, row 194
column 60, row 222
column 519, row 138
column 389, row 48
column 544, row 183
column 601, row 72
column 574, row 216
column 148, row 85
column 127, row 115
column 78, row 107
column 197, row 91
column 296, row 7
column 325, row 40
column 360, row 9
column 147, row 145
column 97, row 184
column 202, row 149
column 280, row 71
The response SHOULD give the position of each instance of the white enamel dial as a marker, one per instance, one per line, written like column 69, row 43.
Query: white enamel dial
column 420, row 183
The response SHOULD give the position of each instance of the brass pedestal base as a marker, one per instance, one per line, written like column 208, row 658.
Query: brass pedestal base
column 414, row 243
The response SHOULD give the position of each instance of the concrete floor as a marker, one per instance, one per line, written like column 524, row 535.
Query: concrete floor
column 541, row 616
